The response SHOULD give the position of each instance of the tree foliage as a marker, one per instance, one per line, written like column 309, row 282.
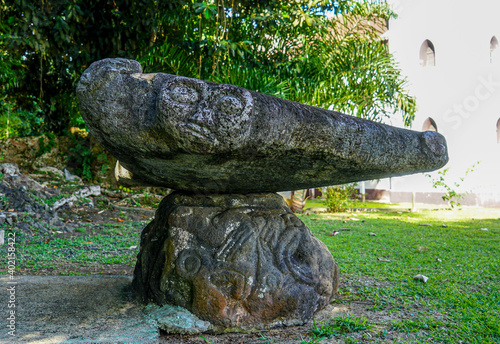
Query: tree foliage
column 54, row 41
column 287, row 49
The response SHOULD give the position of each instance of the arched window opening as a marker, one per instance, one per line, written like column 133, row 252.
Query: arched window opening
column 498, row 131
column 427, row 54
column 430, row 125
column 493, row 48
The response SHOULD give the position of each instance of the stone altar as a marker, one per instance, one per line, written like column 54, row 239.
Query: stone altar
column 224, row 245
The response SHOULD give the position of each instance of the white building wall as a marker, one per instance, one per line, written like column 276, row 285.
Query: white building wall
column 461, row 92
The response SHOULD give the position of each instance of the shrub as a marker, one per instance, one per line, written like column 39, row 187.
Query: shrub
column 340, row 197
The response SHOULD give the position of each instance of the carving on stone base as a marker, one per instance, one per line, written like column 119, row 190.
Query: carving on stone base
column 238, row 261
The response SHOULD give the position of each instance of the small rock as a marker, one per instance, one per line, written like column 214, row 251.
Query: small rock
column 10, row 169
column 438, row 260
column 9, row 220
column 175, row 319
column 421, row 278
column 91, row 190
column 334, row 233
column 69, row 176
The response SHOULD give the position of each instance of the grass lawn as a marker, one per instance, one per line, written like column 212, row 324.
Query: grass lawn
column 382, row 251
column 378, row 253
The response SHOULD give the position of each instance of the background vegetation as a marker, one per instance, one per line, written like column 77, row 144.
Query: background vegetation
column 287, row 49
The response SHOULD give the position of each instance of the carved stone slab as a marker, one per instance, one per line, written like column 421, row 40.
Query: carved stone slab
column 241, row 262
column 190, row 134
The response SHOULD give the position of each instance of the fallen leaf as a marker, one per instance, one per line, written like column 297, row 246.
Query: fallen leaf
column 444, row 225
column 87, row 243
column 425, row 225
column 421, row 278
column 372, row 234
column 422, row 248
column 119, row 233
column 119, row 220
column 133, row 247
column 383, row 260
column 482, row 229
column 438, row 260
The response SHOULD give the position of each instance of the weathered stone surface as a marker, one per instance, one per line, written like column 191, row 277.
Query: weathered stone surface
column 240, row 262
column 175, row 319
column 189, row 134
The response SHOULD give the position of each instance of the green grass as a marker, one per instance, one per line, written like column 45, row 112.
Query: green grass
column 101, row 245
column 340, row 325
column 461, row 300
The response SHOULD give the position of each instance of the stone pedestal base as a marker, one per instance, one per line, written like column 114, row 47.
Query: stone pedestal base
column 241, row 262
